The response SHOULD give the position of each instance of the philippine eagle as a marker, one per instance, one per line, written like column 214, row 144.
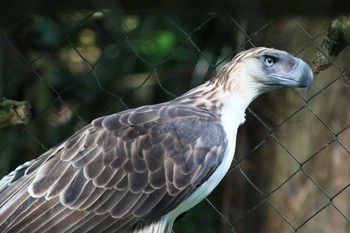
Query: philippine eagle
column 137, row 170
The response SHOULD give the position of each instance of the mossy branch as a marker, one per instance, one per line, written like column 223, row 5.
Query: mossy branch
column 337, row 39
column 14, row 112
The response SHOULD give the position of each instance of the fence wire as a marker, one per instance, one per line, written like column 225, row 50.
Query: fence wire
column 291, row 170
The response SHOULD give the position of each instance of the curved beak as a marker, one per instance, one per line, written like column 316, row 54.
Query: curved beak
column 301, row 75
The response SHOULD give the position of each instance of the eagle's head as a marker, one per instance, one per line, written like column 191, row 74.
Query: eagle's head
column 259, row 70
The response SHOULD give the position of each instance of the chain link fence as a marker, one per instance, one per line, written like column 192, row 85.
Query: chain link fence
column 291, row 170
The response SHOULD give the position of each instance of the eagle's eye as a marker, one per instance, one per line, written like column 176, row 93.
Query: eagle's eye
column 269, row 60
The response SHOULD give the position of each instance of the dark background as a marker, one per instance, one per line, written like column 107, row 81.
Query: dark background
column 74, row 62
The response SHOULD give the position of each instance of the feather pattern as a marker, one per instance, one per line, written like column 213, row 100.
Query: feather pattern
column 143, row 167
column 125, row 165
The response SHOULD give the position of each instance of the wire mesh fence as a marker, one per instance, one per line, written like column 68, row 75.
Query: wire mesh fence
column 291, row 170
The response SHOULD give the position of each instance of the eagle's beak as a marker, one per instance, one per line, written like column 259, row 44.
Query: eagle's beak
column 300, row 75
column 303, row 74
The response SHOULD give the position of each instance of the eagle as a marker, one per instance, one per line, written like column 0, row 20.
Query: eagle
column 139, row 169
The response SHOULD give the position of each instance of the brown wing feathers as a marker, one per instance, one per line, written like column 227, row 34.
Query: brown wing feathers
column 116, row 171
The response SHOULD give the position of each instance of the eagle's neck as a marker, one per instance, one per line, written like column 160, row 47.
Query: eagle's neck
column 205, row 97
column 227, row 104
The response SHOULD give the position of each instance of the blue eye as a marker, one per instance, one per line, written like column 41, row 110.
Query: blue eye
column 269, row 60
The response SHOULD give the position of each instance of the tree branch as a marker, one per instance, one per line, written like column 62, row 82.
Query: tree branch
column 14, row 112
column 337, row 39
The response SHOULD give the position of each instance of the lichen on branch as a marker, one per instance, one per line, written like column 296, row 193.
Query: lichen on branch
column 337, row 39
column 14, row 112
